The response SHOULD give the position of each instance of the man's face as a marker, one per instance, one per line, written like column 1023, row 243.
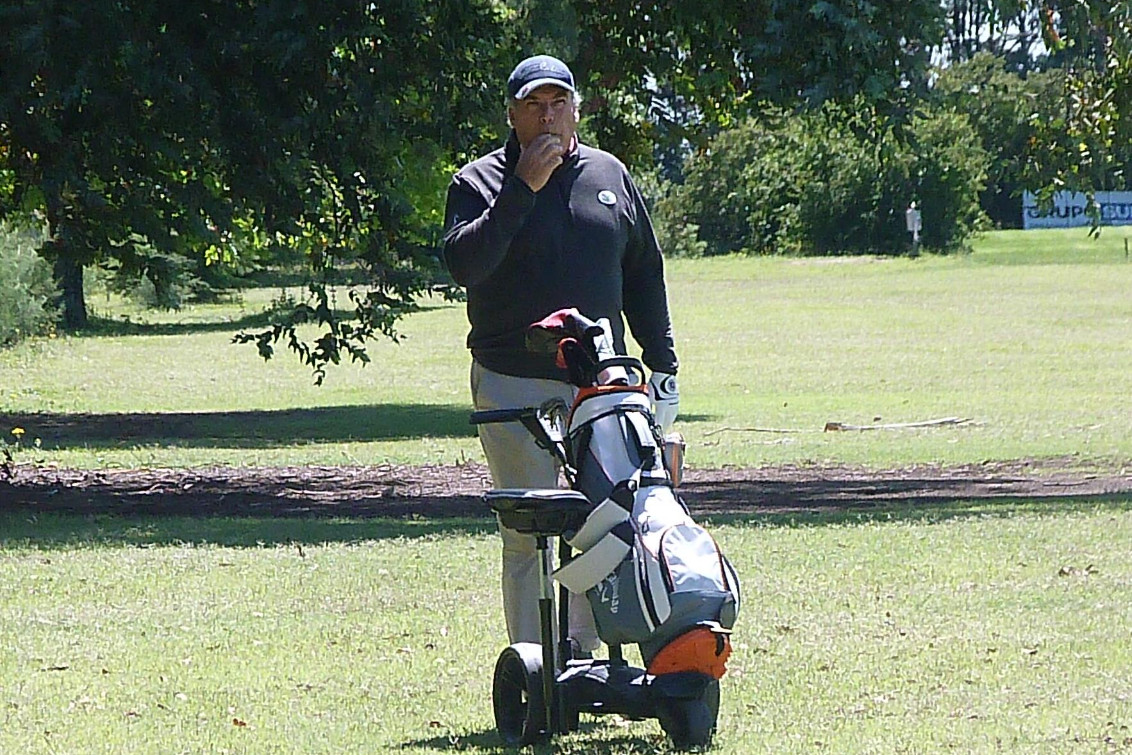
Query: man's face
column 546, row 110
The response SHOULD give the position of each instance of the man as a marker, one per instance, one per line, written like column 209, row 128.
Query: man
column 542, row 224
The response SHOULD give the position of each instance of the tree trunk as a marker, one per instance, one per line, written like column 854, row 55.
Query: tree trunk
column 69, row 278
column 68, row 270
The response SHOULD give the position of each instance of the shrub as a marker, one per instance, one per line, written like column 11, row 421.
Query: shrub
column 735, row 190
column 677, row 236
column 831, row 182
column 25, row 280
column 1015, row 114
column 951, row 171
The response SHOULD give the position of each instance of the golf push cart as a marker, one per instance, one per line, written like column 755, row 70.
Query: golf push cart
column 626, row 542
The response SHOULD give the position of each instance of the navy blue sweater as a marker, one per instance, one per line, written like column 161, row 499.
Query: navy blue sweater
column 585, row 240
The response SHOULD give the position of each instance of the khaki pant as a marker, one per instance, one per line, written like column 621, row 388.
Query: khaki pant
column 516, row 462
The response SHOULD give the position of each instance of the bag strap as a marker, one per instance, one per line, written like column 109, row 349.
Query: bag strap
column 605, row 516
column 586, row 570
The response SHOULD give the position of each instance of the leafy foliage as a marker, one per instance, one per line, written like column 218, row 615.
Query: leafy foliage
column 667, row 72
column 1007, row 110
column 165, row 140
column 25, row 280
column 1089, row 143
column 1006, row 29
column 212, row 131
column 950, row 172
column 832, row 182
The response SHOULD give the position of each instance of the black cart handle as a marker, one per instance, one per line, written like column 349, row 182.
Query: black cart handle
column 488, row 416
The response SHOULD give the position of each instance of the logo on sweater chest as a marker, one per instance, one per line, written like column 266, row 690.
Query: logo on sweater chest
column 607, row 197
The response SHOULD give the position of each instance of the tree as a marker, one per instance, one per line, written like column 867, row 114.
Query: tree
column 1062, row 123
column 204, row 129
column 1084, row 147
column 150, row 134
column 728, row 59
column 1005, row 108
column 1006, row 29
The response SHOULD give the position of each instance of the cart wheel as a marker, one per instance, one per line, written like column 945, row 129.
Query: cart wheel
column 690, row 722
column 516, row 695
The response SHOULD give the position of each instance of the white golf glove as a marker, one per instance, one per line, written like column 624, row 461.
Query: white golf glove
column 665, row 399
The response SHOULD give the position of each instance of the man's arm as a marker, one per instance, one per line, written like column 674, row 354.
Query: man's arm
column 644, row 293
column 480, row 233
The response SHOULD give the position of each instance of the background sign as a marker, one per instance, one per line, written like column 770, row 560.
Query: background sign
column 1071, row 209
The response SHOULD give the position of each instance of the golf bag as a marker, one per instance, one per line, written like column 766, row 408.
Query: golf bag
column 653, row 577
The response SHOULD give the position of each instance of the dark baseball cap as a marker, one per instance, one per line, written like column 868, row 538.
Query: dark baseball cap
column 538, row 71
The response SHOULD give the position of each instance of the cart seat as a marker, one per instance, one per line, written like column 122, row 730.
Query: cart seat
column 539, row 511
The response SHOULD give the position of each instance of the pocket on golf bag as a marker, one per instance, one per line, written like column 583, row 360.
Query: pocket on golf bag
column 631, row 602
column 651, row 598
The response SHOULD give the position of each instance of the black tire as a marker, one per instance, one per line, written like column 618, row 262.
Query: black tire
column 517, row 696
column 690, row 723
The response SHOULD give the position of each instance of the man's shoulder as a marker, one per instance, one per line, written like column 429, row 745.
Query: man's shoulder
column 603, row 166
column 492, row 162
column 600, row 157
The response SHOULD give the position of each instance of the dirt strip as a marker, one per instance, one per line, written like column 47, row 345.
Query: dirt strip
column 456, row 490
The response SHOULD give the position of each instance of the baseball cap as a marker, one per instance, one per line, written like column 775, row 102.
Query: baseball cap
column 538, row 71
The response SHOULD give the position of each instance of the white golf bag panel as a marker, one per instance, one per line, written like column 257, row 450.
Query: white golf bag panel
column 649, row 571
column 611, row 440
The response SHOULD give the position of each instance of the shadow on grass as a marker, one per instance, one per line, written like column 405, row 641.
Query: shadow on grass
column 915, row 511
column 488, row 741
column 51, row 530
column 65, row 521
column 689, row 417
column 243, row 429
column 116, row 327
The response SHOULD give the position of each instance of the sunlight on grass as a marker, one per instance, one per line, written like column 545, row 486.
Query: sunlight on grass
column 289, row 648
column 1035, row 357
column 915, row 631
column 1026, row 338
column 974, row 626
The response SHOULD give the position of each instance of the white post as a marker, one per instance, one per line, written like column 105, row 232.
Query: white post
column 913, row 220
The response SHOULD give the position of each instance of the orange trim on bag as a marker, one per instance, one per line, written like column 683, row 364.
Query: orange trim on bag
column 596, row 390
column 590, row 391
column 699, row 650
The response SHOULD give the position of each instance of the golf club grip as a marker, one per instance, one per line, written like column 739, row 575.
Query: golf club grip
column 488, row 416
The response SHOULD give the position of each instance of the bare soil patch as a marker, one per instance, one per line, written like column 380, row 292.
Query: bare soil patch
column 455, row 491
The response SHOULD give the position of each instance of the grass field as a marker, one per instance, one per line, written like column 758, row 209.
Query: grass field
column 931, row 631
column 1027, row 338
column 992, row 626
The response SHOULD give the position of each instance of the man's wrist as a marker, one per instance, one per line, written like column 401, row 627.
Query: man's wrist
column 521, row 185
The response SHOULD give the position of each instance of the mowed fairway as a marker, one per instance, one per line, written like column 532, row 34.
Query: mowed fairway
column 1028, row 339
column 937, row 630
column 988, row 626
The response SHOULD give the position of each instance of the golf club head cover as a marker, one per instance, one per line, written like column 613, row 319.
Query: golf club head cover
column 577, row 361
column 665, row 399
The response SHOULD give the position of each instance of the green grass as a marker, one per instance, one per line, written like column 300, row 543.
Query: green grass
column 940, row 629
column 1034, row 354
column 1026, row 337
column 991, row 626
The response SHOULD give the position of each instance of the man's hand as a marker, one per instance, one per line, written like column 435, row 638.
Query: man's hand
column 665, row 398
column 539, row 159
